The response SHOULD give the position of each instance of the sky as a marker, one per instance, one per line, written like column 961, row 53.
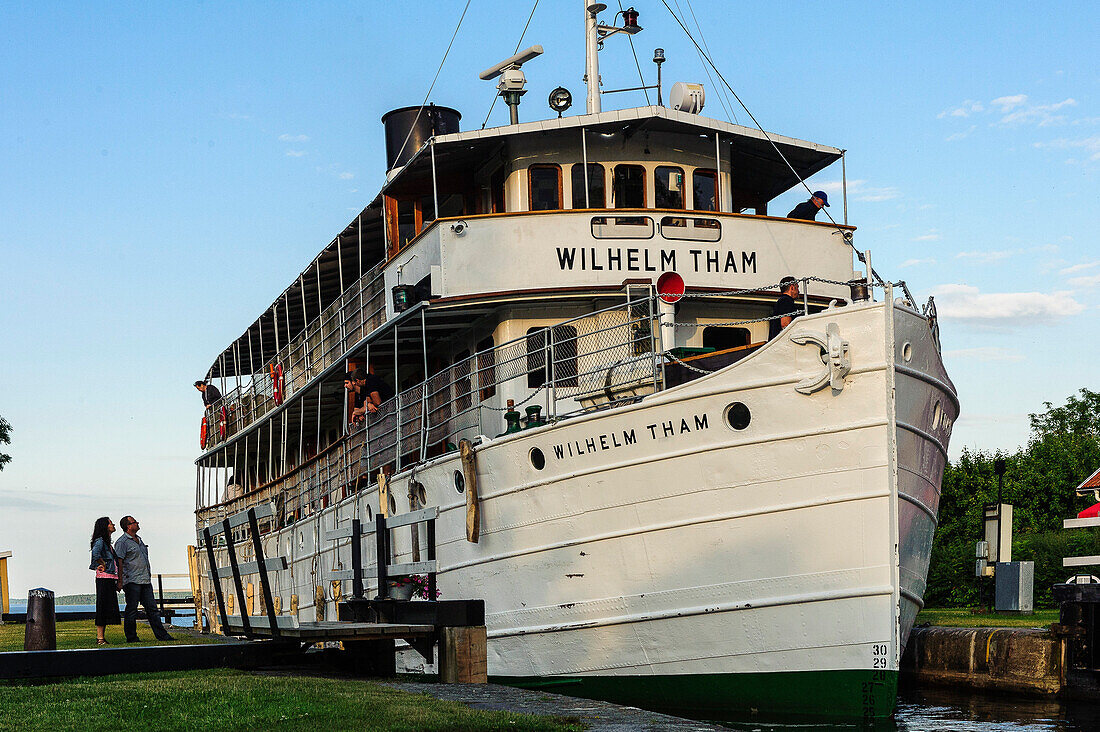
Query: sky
column 167, row 169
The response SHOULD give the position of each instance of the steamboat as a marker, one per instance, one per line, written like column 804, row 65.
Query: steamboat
column 658, row 503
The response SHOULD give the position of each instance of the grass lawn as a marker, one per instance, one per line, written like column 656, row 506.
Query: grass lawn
column 81, row 634
column 236, row 700
column 963, row 618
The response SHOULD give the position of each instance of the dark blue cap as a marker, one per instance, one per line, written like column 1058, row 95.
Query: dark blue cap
column 823, row 196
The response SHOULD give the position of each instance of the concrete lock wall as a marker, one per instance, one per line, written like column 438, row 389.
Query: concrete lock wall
column 1018, row 660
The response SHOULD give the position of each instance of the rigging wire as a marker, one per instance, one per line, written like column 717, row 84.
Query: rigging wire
column 641, row 80
column 844, row 235
column 721, row 91
column 521, row 35
column 706, row 69
column 434, row 79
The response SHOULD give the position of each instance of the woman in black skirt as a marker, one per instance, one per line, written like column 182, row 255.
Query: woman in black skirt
column 107, row 583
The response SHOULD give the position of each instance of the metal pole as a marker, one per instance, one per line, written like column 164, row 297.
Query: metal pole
column 435, row 188
column 591, row 60
column 805, row 297
column 424, row 390
column 397, row 401
column 717, row 175
column 584, row 153
column 844, row 184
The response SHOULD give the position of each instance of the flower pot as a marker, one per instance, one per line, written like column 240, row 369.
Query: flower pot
column 401, row 592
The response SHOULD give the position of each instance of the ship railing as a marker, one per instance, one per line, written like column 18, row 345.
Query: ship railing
column 360, row 309
column 572, row 367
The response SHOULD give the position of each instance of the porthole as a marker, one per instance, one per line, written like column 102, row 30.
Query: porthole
column 460, row 482
column 737, row 415
column 370, row 514
column 421, row 494
column 907, row 351
column 937, row 415
column 393, row 505
column 301, row 539
column 538, row 460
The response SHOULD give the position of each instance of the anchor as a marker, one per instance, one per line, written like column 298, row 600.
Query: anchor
column 834, row 355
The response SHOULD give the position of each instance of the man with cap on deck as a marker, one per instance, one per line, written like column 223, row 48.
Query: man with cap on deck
column 808, row 209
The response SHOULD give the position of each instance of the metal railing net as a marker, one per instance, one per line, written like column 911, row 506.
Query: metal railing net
column 554, row 372
column 325, row 341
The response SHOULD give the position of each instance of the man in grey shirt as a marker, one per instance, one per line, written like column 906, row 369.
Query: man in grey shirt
column 137, row 581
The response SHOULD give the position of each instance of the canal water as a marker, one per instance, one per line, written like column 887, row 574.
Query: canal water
column 931, row 709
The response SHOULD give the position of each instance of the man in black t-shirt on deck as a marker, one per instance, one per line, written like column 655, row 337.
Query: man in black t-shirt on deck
column 371, row 392
column 785, row 307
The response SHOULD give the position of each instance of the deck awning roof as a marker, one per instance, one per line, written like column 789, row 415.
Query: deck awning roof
column 757, row 167
column 355, row 250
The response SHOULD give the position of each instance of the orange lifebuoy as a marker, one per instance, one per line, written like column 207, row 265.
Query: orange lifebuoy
column 202, row 434
column 277, row 382
column 223, row 421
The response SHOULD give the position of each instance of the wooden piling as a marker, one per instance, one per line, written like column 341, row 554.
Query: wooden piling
column 462, row 655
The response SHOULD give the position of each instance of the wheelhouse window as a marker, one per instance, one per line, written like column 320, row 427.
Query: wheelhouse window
column 596, row 194
column 668, row 187
column 563, row 346
column 629, row 186
column 704, row 190
column 721, row 338
column 544, row 187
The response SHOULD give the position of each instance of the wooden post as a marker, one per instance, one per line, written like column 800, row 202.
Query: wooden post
column 196, row 584
column 473, row 505
column 5, row 599
column 462, row 655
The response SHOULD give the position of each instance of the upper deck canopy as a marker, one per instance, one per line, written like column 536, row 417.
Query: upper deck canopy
column 755, row 168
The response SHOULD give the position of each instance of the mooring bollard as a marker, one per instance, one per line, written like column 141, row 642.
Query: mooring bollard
column 41, row 633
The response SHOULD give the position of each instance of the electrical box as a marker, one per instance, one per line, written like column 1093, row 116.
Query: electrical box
column 1015, row 585
column 998, row 520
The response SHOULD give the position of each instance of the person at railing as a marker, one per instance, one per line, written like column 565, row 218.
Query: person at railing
column 371, row 392
column 353, row 393
column 210, row 393
column 807, row 210
column 785, row 309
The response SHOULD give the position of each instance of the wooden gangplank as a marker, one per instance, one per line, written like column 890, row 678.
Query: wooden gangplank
column 333, row 630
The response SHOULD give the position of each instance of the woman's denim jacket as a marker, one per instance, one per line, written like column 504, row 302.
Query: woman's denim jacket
column 101, row 552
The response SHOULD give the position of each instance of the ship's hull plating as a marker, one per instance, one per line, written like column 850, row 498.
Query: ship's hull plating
column 663, row 558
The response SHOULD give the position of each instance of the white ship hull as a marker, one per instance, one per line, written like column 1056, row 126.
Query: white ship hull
column 662, row 557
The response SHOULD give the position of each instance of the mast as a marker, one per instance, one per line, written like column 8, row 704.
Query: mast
column 591, row 56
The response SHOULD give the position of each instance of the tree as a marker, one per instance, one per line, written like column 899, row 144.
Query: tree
column 5, row 439
column 1063, row 450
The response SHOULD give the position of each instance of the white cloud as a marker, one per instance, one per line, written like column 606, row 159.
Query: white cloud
column 1090, row 145
column 858, row 190
column 960, row 135
column 986, row 353
column 1079, row 268
column 295, row 153
column 930, row 236
column 1042, row 115
column 293, row 138
column 965, row 109
column 965, row 302
column 1007, row 104
column 984, row 257
column 1090, row 281
column 1044, row 249
column 915, row 262
column 346, row 175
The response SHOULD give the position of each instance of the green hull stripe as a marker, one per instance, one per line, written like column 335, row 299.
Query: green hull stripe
column 854, row 693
